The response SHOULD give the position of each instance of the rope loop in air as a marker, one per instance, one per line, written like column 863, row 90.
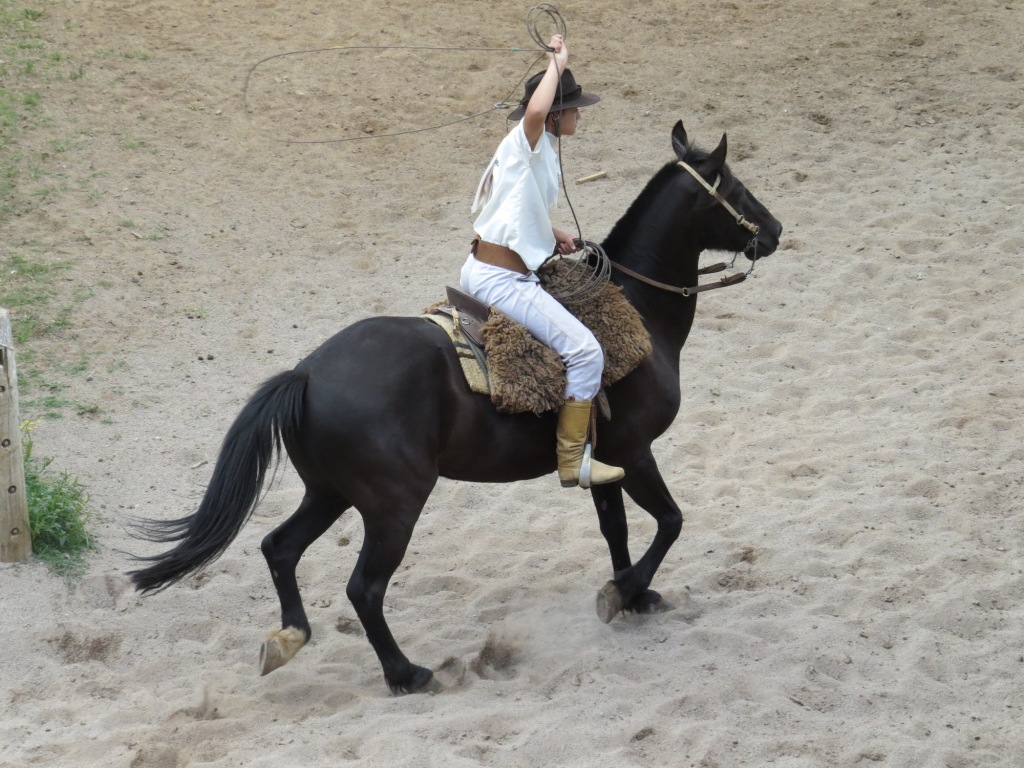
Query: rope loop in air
column 536, row 15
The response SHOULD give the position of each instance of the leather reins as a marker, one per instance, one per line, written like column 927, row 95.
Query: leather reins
column 723, row 282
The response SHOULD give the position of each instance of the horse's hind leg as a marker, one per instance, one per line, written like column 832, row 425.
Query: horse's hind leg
column 386, row 538
column 282, row 549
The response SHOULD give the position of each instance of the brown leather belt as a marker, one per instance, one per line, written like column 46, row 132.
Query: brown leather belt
column 498, row 255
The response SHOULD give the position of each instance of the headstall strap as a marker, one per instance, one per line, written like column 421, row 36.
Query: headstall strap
column 713, row 191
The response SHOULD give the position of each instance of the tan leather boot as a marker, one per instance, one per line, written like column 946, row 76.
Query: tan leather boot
column 573, row 425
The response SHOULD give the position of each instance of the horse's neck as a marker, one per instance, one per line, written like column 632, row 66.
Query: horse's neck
column 668, row 260
column 668, row 317
column 657, row 239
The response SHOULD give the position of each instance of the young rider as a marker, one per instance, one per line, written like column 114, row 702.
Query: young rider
column 514, row 236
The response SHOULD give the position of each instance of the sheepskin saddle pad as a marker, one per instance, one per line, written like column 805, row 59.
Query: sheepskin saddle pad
column 521, row 374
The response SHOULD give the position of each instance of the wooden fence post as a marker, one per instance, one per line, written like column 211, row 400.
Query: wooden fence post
column 15, row 536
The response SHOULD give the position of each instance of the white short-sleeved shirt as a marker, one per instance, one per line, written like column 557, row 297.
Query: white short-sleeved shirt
column 517, row 194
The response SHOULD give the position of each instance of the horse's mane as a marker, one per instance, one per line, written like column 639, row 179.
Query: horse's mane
column 654, row 189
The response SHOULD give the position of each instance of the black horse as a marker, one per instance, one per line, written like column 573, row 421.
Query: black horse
column 374, row 416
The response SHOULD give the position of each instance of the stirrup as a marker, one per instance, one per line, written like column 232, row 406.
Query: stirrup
column 585, row 467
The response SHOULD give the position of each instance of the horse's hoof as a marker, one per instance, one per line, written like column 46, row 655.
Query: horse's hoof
column 422, row 680
column 280, row 647
column 649, row 601
column 433, row 685
column 609, row 602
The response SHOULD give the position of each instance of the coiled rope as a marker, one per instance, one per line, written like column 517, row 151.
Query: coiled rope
column 533, row 20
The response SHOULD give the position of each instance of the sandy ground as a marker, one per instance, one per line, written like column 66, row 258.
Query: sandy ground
column 848, row 453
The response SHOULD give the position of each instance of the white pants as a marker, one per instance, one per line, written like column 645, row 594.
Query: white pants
column 522, row 298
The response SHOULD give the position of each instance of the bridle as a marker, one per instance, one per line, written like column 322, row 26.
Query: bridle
column 712, row 189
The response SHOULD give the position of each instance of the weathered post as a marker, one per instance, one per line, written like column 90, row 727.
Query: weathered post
column 15, row 537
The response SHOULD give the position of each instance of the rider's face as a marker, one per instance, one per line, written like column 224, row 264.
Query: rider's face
column 566, row 121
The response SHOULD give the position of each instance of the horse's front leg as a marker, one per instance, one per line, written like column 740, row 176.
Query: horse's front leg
column 629, row 590
column 611, row 514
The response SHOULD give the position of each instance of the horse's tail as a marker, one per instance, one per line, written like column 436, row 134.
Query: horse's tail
column 271, row 416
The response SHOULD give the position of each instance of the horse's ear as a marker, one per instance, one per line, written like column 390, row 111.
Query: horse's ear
column 679, row 141
column 716, row 160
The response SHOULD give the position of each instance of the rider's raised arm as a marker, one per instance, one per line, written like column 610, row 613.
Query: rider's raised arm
column 542, row 99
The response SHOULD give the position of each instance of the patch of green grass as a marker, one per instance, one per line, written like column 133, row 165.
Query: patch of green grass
column 46, row 395
column 32, row 325
column 57, row 513
column 45, row 193
column 27, row 287
column 41, row 301
column 80, row 366
column 51, row 407
column 19, row 93
column 27, row 64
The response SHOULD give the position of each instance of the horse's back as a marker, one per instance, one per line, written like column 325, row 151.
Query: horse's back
column 377, row 363
column 393, row 387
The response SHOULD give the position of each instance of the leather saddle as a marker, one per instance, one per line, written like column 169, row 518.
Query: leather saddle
column 472, row 315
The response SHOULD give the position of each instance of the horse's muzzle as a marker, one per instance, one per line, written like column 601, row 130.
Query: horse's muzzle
column 767, row 241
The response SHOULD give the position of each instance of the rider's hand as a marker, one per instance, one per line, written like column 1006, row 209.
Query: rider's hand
column 560, row 52
column 564, row 242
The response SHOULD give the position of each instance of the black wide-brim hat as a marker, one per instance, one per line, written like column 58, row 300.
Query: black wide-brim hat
column 568, row 95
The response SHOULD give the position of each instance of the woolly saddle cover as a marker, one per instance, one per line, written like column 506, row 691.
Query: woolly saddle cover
column 527, row 376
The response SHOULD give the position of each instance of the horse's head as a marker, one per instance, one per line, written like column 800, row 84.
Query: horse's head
column 736, row 218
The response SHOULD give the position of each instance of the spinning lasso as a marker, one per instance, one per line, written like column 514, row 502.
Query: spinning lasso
column 590, row 272
column 534, row 17
column 503, row 104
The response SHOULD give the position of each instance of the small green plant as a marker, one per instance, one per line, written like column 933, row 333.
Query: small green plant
column 57, row 512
